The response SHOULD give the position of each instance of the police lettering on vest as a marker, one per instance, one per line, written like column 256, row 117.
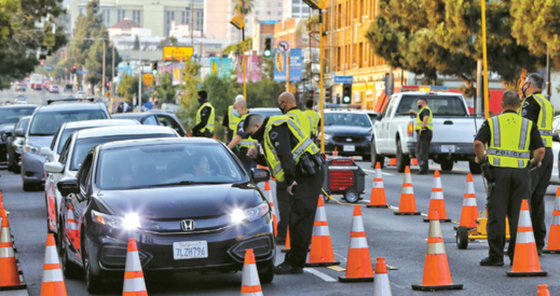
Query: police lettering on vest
column 510, row 141
column 546, row 117
column 419, row 121
column 301, row 119
column 210, row 124
column 233, row 120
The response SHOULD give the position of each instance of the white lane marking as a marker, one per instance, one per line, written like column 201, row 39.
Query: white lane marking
column 400, row 287
column 319, row 274
column 383, row 173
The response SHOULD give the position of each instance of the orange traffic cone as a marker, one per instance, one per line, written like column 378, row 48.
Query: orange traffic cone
column 543, row 290
column 469, row 211
column 553, row 245
column 134, row 284
column 381, row 286
column 287, row 245
column 53, row 281
column 525, row 258
column 321, row 253
column 392, row 161
column 335, row 152
column 270, row 199
column 436, row 200
column 9, row 274
column 72, row 230
column 251, row 284
column 377, row 199
column 436, row 268
column 359, row 267
column 414, row 161
column 407, row 205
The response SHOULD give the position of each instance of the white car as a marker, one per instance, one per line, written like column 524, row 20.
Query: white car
column 74, row 151
column 555, row 179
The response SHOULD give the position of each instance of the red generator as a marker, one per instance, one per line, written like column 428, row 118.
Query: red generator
column 345, row 177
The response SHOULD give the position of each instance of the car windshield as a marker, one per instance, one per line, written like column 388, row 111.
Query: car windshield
column 22, row 124
column 47, row 123
column 83, row 146
column 12, row 115
column 350, row 119
column 440, row 105
column 167, row 165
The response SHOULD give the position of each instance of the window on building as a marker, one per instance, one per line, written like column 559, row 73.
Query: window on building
column 81, row 11
column 169, row 18
column 295, row 9
column 279, row 4
column 296, row 1
column 361, row 55
column 257, row 12
column 279, row 13
column 268, row 12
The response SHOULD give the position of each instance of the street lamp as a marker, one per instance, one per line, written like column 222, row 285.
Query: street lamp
column 239, row 23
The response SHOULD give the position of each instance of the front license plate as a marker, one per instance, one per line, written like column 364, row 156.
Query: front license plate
column 348, row 148
column 447, row 148
column 190, row 250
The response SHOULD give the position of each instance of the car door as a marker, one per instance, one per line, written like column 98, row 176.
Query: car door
column 54, row 199
column 171, row 122
column 78, row 203
column 385, row 124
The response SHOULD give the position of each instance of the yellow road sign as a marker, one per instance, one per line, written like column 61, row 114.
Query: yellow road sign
column 177, row 53
column 238, row 22
column 148, row 79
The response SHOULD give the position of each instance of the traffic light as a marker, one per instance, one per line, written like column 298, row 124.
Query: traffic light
column 66, row 71
column 328, row 95
column 154, row 68
column 346, row 93
column 74, row 69
column 42, row 63
column 267, row 52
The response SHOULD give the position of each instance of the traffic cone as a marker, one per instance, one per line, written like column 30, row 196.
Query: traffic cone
column 525, row 258
column 321, row 253
column 134, row 284
column 358, row 268
column 377, row 199
column 407, row 205
column 287, row 244
column 335, row 152
column 9, row 274
column 469, row 211
column 436, row 200
column 72, row 230
column 543, row 290
column 392, row 161
column 272, row 207
column 436, row 268
column 553, row 245
column 381, row 285
column 251, row 285
column 53, row 281
column 414, row 161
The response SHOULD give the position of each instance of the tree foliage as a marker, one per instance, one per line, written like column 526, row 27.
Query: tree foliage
column 128, row 86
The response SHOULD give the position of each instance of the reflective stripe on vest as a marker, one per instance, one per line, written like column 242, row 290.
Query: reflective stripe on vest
column 509, row 144
column 314, row 119
column 304, row 144
column 246, row 143
column 419, row 121
column 232, row 119
column 301, row 119
column 545, row 119
column 210, row 124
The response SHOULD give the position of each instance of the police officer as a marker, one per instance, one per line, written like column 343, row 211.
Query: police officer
column 509, row 139
column 292, row 157
column 204, row 117
column 538, row 109
column 241, row 143
column 424, row 128
column 231, row 121
column 314, row 117
column 288, row 105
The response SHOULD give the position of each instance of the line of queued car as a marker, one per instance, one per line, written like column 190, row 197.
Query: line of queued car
column 188, row 202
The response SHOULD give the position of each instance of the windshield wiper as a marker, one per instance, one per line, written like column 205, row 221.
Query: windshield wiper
column 186, row 182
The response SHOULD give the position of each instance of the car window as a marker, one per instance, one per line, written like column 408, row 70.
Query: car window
column 150, row 120
column 46, row 123
column 349, row 119
column 64, row 152
column 22, row 124
column 12, row 115
column 171, row 123
column 166, row 165
column 54, row 138
column 84, row 171
column 391, row 106
column 65, row 135
column 440, row 105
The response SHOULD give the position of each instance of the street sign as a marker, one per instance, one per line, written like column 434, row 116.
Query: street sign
column 344, row 79
column 177, row 53
column 178, row 94
column 47, row 67
column 82, row 72
column 283, row 46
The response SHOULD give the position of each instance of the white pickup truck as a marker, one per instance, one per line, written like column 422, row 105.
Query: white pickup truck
column 453, row 136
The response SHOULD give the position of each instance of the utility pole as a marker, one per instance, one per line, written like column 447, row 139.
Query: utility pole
column 112, row 72
column 139, row 103
column 192, row 23
column 548, row 84
column 103, row 78
column 485, row 59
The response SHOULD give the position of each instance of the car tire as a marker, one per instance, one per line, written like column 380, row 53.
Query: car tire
column 94, row 284
column 447, row 165
column 70, row 269
column 375, row 158
column 475, row 168
column 462, row 237
column 266, row 271
column 403, row 160
column 351, row 195
column 17, row 169
column 27, row 186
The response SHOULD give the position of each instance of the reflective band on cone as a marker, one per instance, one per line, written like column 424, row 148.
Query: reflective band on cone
column 53, row 281
column 381, row 286
column 437, row 202
column 377, row 199
column 469, row 211
column 525, row 258
column 251, row 285
column 270, row 200
column 134, row 284
column 437, row 275
column 72, row 230
column 321, row 253
column 358, row 268
column 9, row 273
column 407, row 205
column 553, row 245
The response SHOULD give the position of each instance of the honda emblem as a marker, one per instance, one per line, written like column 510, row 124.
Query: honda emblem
column 187, row 225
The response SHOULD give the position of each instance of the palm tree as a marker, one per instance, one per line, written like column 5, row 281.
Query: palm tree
column 244, row 7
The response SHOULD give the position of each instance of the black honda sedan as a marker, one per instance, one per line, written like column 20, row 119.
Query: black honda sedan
column 187, row 202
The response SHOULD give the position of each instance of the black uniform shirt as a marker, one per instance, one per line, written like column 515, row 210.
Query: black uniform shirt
column 485, row 136
column 531, row 109
column 204, row 116
column 225, row 121
column 283, row 141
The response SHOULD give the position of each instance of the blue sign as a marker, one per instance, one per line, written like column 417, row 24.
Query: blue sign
column 82, row 72
column 344, row 79
column 47, row 67
column 295, row 65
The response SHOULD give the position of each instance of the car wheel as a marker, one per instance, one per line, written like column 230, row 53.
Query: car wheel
column 403, row 160
column 462, row 237
column 366, row 157
column 475, row 168
column 69, row 268
column 27, row 186
column 375, row 158
column 266, row 271
column 447, row 165
column 17, row 169
column 94, row 285
column 351, row 195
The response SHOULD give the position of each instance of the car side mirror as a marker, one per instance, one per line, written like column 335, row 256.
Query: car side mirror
column 68, row 186
column 53, row 167
column 19, row 133
column 260, row 175
column 8, row 134
column 379, row 117
column 45, row 151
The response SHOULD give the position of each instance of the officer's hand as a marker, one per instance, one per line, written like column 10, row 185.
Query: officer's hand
column 291, row 187
column 411, row 111
column 419, row 131
column 253, row 152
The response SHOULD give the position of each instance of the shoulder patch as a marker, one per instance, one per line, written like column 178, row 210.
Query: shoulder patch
column 273, row 135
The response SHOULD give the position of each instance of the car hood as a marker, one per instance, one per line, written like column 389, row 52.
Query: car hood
column 6, row 127
column 348, row 130
column 40, row 141
column 192, row 201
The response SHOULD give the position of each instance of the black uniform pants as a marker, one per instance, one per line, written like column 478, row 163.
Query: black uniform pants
column 539, row 182
column 512, row 186
column 302, row 215
column 283, row 198
column 423, row 148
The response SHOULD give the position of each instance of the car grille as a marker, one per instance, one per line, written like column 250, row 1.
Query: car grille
column 343, row 139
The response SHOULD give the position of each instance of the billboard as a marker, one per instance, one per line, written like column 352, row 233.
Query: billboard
column 280, row 64
column 177, row 53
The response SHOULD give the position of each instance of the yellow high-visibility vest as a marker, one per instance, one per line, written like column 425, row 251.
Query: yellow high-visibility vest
column 210, row 124
column 546, row 117
column 232, row 119
column 419, row 121
column 301, row 119
column 510, row 141
column 314, row 118
column 245, row 143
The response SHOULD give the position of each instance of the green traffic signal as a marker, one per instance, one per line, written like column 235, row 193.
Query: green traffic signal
column 267, row 53
column 346, row 100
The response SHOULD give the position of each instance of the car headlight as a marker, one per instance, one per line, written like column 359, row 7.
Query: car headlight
column 249, row 215
column 32, row 149
column 368, row 138
column 130, row 221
